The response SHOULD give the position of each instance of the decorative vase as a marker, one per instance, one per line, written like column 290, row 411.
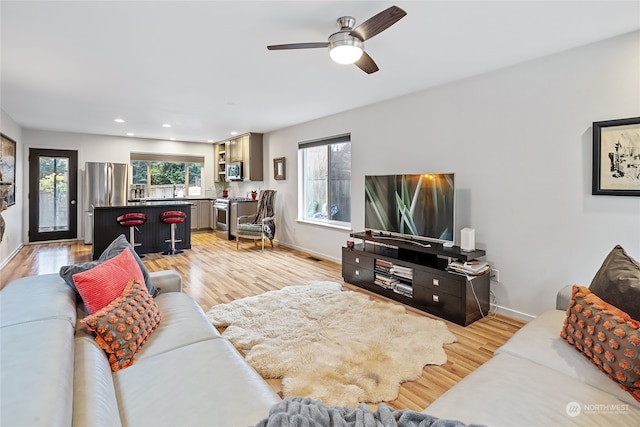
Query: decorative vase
column 225, row 193
column 254, row 194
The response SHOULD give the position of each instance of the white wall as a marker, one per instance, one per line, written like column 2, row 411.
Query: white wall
column 519, row 141
column 12, row 240
column 100, row 148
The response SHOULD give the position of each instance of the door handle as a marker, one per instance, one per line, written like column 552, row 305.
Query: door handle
column 73, row 202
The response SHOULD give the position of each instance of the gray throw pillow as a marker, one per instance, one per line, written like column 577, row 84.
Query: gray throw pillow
column 618, row 282
column 116, row 247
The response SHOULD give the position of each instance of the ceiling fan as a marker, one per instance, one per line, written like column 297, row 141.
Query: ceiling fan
column 347, row 45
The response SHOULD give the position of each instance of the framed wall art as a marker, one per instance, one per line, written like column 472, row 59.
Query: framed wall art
column 8, row 167
column 616, row 157
column 280, row 168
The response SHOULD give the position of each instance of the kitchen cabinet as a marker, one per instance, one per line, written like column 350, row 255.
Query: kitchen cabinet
column 201, row 214
column 204, row 214
column 220, row 156
column 194, row 216
column 246, row 148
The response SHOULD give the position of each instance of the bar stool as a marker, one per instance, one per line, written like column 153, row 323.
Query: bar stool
column 132, row 220
column 173, row 218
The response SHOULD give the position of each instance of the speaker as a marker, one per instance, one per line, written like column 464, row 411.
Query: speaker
column 468, row 239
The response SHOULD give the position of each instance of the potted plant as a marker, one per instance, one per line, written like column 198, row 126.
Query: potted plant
column 222, row 186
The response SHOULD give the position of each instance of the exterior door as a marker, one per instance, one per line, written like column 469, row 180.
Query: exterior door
column 53, row 192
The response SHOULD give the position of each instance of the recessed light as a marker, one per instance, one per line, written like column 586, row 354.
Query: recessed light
column 119, row 120
column 209, row 140
column 173, row 139
column 131, row 134
column 234, row 133
column 166, row 125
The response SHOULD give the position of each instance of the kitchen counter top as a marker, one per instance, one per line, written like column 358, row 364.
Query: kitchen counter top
column 166, row 202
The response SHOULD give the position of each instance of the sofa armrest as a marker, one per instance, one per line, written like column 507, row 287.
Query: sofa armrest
column 167, row 280
column 563, row 297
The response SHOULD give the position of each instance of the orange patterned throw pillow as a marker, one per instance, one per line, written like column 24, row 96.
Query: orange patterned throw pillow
column 609, row 337
column 123, row 326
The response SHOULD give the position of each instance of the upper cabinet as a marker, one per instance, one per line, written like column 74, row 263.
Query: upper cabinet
column 220, row 156
column 246, row 148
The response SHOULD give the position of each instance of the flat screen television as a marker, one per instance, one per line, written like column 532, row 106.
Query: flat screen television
column 411, row 206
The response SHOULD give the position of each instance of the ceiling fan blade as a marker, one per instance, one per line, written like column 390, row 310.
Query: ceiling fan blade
column 378, row 23
column 298, row 46
column 366, row 64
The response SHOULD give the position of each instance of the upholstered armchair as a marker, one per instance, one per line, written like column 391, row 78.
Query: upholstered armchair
column 260, row 225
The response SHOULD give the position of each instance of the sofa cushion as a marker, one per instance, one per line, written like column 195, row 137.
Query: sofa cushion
column 36, row 375
column 511, row 391
column 123, row 326
column 607, row 336
column 539, row 341
column 222, row 390
column 183, row 323
column 250, row 229
column 37, row 298
column 115, row 248
column 618, row 282
column 94, row 395
column 103, row 283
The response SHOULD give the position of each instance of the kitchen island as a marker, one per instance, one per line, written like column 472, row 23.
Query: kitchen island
column 152, row 234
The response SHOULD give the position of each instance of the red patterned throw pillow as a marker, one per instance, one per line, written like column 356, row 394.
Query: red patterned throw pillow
column 609, row 337
column 123, row 326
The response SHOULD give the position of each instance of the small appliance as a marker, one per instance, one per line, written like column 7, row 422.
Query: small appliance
column 234, row 171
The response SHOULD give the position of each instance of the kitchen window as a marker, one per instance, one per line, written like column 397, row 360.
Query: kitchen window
column 325, row 180
column 168, row 176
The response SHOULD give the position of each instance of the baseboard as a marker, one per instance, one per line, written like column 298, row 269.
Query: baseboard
column 10, row 257
column 512, row 313
column 307, row 251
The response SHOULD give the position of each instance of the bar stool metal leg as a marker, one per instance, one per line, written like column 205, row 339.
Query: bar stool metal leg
column 172, row 218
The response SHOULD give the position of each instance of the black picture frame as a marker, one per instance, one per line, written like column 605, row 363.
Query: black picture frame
column 8, row 167
column 616, row 157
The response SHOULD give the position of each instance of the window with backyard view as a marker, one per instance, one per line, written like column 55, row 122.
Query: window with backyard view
column 326, row 180
column 168, row 178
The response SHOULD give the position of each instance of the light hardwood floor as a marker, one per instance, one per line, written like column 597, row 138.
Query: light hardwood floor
column 213, row 272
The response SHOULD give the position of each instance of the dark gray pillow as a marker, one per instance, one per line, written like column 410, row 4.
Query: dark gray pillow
column 618, row 282
column 116, row 247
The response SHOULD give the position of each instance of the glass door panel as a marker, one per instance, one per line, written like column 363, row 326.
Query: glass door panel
column 53, row 211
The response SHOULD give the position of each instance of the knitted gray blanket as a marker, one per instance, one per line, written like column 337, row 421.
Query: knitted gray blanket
column 305, row 412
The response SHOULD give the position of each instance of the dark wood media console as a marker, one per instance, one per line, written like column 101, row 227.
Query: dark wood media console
column 430, row 287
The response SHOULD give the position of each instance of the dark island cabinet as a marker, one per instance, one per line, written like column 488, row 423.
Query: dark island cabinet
column 151, row 235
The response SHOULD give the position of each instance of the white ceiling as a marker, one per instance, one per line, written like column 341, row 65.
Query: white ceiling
column 203, row 66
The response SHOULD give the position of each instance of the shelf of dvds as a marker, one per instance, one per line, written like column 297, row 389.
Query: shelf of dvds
column 419, row 278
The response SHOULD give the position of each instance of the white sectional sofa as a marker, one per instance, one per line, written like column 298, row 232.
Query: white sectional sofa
column 54, row 373
column 537, row 379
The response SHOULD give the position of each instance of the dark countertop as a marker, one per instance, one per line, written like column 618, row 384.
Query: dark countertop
column 149, row 203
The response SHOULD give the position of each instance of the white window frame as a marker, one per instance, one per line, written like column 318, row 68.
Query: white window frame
column 342, row 225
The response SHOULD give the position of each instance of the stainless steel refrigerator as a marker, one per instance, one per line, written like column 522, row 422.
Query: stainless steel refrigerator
column 105, row 184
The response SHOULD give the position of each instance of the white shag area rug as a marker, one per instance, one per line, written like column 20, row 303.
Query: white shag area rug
column 339, row 347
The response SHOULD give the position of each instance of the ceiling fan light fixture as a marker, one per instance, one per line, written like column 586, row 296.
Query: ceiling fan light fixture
column 344, row 48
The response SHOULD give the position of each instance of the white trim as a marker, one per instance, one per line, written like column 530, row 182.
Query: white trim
column 10, row 257
column 512, row 313
column 312, row 253
column 334, row 224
